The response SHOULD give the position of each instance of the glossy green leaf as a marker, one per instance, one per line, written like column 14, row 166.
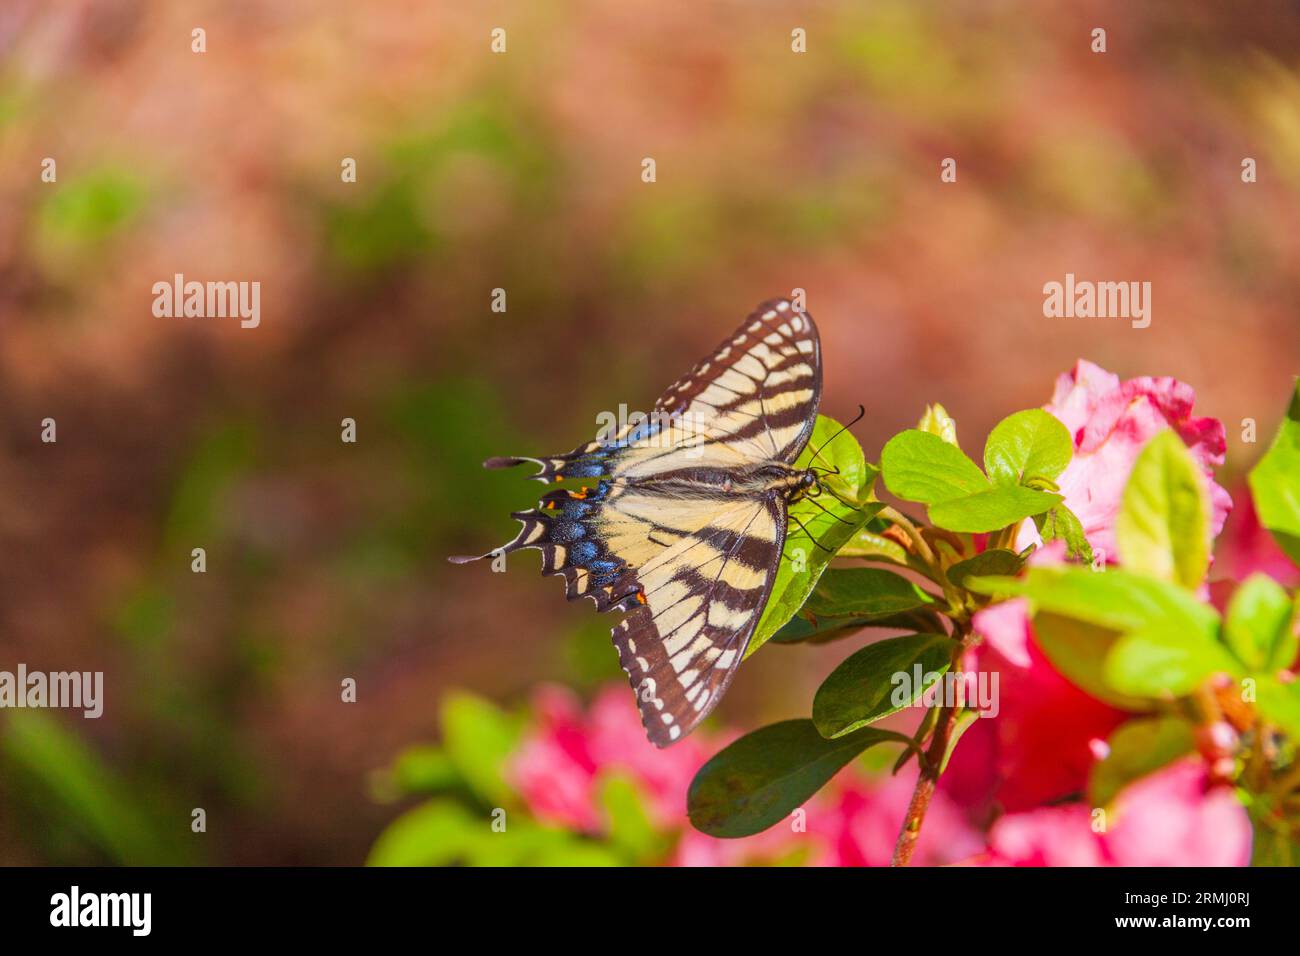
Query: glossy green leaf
column 1260, row 625
column 871, row 545
column 1028, row 445
column 994, row 561
column 920, row 466
column 1163, row 523
column 1139, row 747
column 879, row 680
column 804, row 628
column 1275, row 482
column 852, row 598
column 992, row 509
column 758, row 780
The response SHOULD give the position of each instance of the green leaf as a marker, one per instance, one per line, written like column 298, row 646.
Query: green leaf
column 1137, row 748
column 852, row 598
column 79, row 794
column 1080, row 615
column 919, row 466
column 867, row 685
column 1275, row 482
column 997, row 561
column 1280, row 703
column 1114, row 599
column 1061, row 524
column 805, row 628
column 1162, row 659
column 965, row 721
column 1260, row 624
column 437, row 833
column 1163, row 523
column 479, row 737
column 871, row 545
column 758, row 780
column 992, row 509
column 1025, row 446
column 418, row 769
column 1078, row 651
column 630, row 826
column 803, row 561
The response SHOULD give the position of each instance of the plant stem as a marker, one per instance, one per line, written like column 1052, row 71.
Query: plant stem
column 928, row 778
column 922, row 547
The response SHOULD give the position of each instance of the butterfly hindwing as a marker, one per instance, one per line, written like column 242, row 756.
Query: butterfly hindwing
column 703, row 597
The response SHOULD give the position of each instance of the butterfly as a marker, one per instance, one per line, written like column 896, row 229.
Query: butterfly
column 679, row 518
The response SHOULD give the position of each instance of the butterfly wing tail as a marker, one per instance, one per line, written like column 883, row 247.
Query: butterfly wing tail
column 560, row 528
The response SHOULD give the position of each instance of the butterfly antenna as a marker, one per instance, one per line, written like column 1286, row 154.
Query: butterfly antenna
column 843, row 428
column 829, row 512
column 796, row 520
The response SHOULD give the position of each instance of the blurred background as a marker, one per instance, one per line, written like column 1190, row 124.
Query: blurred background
column 522, row 171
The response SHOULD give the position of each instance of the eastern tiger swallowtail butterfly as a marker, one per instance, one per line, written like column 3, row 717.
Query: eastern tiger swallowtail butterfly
column 680, row 517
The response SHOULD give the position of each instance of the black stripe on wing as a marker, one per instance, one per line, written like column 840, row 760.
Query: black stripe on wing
column 778, row 350
column 680, row 669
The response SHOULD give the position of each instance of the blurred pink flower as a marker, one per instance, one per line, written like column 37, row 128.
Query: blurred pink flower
column 557, row 767
column 1110, row 422
column 1173, row 817
column 852, row 822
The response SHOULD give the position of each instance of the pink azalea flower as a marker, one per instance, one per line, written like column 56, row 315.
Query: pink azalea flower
column 1110, row 422
column 1173, row 817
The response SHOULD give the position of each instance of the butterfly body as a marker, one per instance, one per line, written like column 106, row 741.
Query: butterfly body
column 681, row 516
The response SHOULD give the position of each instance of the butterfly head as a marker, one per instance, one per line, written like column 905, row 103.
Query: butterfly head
column 806, row 484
